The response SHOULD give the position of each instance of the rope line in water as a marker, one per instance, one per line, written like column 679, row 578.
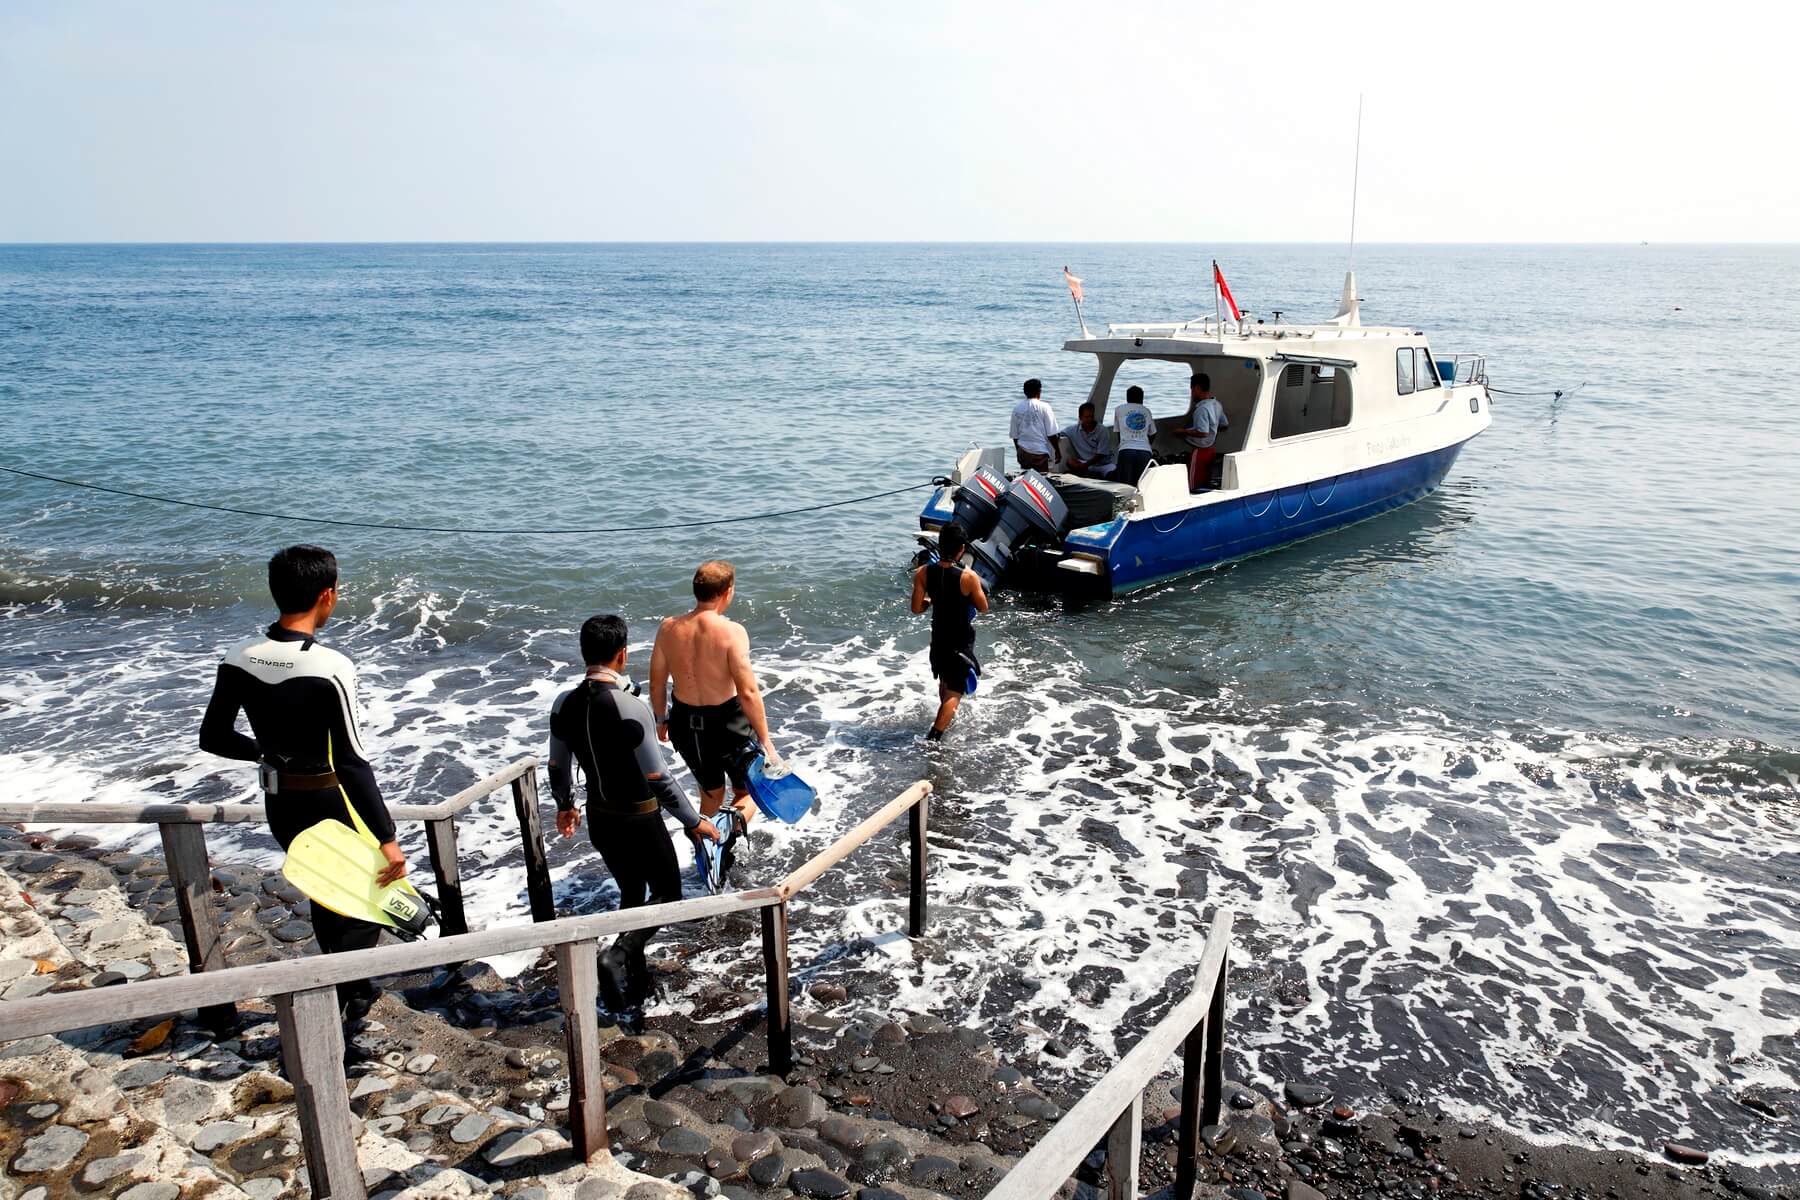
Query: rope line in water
column 252, row 512
column 1554, row 393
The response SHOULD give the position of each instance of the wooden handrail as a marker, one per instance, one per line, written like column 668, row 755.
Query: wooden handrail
column 835, row 853
column 1120, row 1091
column 154, row 997
column 92, row 813
column 190, row 871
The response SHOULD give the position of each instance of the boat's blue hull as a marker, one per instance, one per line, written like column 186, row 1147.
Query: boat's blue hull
column 1142, row 552
column 1146, row 551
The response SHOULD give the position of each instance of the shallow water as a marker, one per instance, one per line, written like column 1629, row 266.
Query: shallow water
column 1502, row 786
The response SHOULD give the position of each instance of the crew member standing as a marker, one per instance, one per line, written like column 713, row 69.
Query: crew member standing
column 300, row 699
column 611, row 733
column 954, row 595
column 1206, row 417
column 1136, row 425
column 1033, row 425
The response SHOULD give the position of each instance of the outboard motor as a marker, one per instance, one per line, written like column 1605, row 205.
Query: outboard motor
column 978, row 503
column 1030, row 509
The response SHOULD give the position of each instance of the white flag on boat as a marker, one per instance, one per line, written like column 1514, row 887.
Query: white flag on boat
column 1074, row 285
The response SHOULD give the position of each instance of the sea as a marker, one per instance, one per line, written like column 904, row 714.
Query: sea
column 1501, row 787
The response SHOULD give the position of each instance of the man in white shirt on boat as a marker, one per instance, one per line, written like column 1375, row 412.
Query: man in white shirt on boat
column 1033, row 425
column 1206, row 417
column 1136, row 425
column 1090, row 451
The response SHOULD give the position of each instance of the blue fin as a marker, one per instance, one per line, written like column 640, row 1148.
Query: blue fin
column 709, row 856
column 783, row 795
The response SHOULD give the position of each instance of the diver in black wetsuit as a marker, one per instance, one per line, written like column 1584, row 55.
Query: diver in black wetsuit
column 954, row 595
column 300, row 699
column 611, row 733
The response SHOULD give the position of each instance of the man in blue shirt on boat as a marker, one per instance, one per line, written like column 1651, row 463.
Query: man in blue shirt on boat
column 1206, row 417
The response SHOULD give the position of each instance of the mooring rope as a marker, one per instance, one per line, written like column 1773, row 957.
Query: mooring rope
column 400, row 528
column 1553, row 393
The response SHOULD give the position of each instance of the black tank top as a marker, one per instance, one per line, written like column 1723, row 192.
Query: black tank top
column 951, row 628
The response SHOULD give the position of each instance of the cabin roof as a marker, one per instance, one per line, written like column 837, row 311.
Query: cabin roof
column 1206, row 338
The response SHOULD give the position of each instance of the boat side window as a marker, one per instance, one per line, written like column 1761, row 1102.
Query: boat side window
column 1403, row 370
column 1427, row 372
column 1314, row 399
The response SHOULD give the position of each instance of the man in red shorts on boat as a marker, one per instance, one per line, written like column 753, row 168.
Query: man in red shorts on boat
column 1206, row 418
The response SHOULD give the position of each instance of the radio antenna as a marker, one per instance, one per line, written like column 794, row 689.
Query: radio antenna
column 1355, row 179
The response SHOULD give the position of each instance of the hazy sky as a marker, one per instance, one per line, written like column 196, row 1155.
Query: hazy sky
column 1572, row 121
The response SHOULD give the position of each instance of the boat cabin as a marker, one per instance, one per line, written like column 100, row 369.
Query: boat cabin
column 1301, row 401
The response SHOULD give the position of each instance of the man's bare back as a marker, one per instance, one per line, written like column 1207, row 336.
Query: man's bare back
column 715, row 701
column 698, row 650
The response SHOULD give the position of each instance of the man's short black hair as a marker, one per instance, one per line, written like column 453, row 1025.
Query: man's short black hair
column 951, row 540
column 601, row 639
column 1086, row 406
column 299, row 575
column 1134, row 394
column 1033, row 387
column 1201, row 380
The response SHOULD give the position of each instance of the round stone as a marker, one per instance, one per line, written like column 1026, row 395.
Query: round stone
column 99, row 1170
column 51, row 1150
column 273, row 917
column 748, row 1147
column 469, row 1129
column 819, row 1184
column 684, row 1142
column 1306, row 1095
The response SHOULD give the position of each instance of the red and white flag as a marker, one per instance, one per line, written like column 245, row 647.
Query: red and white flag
column 1219, row 282
column 1075, row 284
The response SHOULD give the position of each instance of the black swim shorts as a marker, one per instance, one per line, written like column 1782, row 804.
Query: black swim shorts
column 714, row 740
column 952, row 669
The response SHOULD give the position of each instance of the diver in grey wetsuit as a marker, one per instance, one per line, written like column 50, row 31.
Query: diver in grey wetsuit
column 611, row 733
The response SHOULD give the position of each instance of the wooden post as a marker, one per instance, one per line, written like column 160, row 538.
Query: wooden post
column 537, row 871
column 775, row 971
column 184, row 854
column 312, row 1054
column 1187, row 1133
column 1214, row 1089
column 577, row 979
column 440, row 839
column 1122, row 1143
column 915, row 827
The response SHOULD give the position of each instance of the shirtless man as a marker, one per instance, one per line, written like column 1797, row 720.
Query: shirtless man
column 715, row 717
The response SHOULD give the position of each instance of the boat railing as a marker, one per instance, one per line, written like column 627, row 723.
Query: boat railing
column 1463, row 368
column 304, row 994
column 1201, row 326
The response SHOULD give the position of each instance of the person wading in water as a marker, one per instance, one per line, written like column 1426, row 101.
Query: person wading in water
column 714, row 714
column 954, row 595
